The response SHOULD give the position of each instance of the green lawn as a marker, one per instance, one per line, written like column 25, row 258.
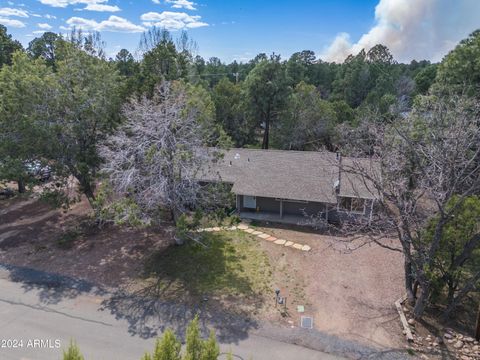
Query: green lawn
column 231, row 264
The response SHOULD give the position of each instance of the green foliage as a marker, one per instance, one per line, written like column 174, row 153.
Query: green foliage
column 343, row 111
column 73, row 352
column 266, row 94
column 308, row 121
column 121, row 211
column 299, row 67
column 194, row 343
column 67, row 239
column 44, row 47
column 88, row 99
column 25, row 97
column 161, row 60
column 8, row 46
column 168, row 347
column 211, row 350
column 366, row 77
column 425, row 78
column 459, row 71
column 228, row 263
column 230, row 112
column 458, row 256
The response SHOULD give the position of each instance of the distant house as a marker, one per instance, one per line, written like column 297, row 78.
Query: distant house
column 291, row 186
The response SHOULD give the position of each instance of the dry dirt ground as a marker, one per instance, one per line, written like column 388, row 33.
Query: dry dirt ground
column 349, row 294
column 32, row 234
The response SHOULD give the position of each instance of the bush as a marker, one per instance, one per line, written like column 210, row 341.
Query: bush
column 168, row 347
column 73, row 352
column 66, row 240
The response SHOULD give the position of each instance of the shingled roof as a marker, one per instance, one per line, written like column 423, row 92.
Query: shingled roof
column 292, row 175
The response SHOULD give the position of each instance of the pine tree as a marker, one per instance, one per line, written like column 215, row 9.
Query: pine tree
column 146, row 356
column 194, row 341
column 211, row 350
column 73, row 352
column 168, row 348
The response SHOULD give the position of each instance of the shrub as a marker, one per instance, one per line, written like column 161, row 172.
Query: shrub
column 73, row 352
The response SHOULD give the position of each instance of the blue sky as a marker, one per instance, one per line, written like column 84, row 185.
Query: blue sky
column 238, row 30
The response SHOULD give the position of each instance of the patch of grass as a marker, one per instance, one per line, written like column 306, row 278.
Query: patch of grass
column 231, row 264
column 66, row 240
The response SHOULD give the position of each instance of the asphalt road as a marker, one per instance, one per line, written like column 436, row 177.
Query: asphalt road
column 40, row 325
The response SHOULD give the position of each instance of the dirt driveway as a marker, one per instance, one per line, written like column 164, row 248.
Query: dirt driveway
column 351, row 295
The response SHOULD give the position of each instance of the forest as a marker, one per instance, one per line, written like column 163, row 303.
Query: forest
column 135, row 122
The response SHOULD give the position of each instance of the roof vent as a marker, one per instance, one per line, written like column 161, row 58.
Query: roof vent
column 237, row 156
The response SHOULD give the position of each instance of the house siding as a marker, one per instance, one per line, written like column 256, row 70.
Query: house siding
column 272, row 205
column 300, row 209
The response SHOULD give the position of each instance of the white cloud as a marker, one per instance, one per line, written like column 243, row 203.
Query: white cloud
column 44, row 26
column 101, row 7
column 112, row 24
column 13, row 12
column 38, row 32
column 156, row 1
column 12, row 22
column 182, row 4
column 48, row 16
column 413, row 29
column 65, row 3
column 173, row 20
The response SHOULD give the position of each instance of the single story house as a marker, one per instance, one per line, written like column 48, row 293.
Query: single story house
column 294, row 187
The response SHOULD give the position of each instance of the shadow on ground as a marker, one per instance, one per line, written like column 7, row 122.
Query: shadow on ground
column 51, row 288
column 148, row 316
column 222, row 280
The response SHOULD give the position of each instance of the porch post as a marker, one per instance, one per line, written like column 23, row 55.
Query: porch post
column 281, row 208
column 237, row 198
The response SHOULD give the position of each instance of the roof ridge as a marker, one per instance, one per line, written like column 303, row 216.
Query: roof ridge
column 285, row 151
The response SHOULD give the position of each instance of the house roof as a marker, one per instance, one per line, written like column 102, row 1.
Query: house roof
column 352, row 183
column 293, row 175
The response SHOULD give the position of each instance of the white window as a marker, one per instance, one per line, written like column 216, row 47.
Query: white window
column 249, row 202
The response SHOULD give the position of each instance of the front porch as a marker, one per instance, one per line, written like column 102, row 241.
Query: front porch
column 276, row 218
column 281, row 210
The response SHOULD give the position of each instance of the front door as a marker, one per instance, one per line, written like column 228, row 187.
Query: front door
column 249, row 202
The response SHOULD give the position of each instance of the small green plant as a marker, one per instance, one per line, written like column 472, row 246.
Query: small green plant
column 73, row 352
column 234, row 220
column 168, row 347
column 66, row 240
column 194, row 341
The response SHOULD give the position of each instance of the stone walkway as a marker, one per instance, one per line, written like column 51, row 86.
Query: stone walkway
column 260, row 235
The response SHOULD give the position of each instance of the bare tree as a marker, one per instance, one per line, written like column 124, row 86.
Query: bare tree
column 156, row 158
column 423, row 168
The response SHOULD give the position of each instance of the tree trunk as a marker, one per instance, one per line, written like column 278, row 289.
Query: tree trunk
column 409, row 282
column 266, row 133
column 421, row 302
column 90, row 196
column 21, row 186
